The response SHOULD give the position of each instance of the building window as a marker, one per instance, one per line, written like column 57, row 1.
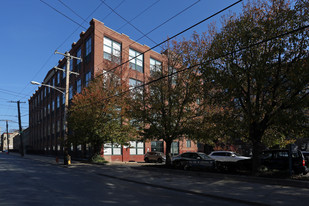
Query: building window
column 79, row 55
column 155, row 66
column 88, row 78
column 53, row 105
column 70, row 92
column 53, row 128
column 136, row 60
column 157, row 146
column 136, row 148
column 175, row 148
column 58, row 126
column 188, row 143
column 63, row 98
column 88, row 49
column 78, row 86
column 58, row 77
column 173, row 75
column 58, row 101
column 112, row 149
column 48, row 108
column 64, row 68
column 134, row 83
column 112, row 50
column 48, row 88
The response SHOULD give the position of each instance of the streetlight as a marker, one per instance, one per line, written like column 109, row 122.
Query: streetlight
column 59, row 89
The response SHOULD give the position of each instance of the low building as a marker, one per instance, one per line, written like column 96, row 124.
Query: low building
column 8, row 143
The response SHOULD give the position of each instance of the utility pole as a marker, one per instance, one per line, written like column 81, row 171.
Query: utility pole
column 21, row 145
column 67, row 71
column 7, row 136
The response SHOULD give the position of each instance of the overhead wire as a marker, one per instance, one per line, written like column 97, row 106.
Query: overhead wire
column 84, row 20
column 210, row 60
column 179, row 33
column 185, row 9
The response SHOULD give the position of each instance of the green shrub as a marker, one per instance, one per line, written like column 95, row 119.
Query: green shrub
column 98, row 159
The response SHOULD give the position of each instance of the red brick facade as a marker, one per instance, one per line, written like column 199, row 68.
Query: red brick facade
column 46, row 108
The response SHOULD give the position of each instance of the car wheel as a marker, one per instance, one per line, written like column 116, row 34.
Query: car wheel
column 159, row 160
column 263, row 168
column 186, row 166
column 146, row 160
column 177, row 164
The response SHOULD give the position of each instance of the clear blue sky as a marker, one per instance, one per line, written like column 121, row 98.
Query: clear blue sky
column 31, row 31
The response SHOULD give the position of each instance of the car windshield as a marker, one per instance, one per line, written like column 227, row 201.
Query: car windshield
column 204, row 156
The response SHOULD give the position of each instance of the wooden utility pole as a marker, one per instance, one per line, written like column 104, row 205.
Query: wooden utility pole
column 67, row 71
column 21, row 145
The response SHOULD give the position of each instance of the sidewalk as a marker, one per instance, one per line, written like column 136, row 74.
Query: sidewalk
column 233, row 188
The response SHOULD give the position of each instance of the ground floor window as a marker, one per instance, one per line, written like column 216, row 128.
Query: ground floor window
column 175, row 148
column 157, row 146
column 136, row 148
column 112, row 149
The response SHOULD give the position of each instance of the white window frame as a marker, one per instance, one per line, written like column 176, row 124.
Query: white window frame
column 155, row 65
column 137, row 148
column 111, row 50
column 112, row 149
column 136, row 60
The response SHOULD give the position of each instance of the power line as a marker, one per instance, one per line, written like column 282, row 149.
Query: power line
column 71, row 10
column 196, row 65
column 114, row 8
column 183, row 31
column 138, row 15
column 63, row 14
column 127, row 21
column 85, row 20
column 185, row 9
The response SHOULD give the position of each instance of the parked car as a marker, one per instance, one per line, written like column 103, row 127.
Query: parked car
column 306, row 156
column 226, row 156
column 154, row 157
column 279, row 160
column 193, row 160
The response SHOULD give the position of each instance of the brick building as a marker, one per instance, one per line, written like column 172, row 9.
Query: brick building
column 98, row 46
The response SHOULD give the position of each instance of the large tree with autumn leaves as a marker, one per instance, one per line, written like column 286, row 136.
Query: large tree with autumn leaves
column 256, row 70
column 96, row 114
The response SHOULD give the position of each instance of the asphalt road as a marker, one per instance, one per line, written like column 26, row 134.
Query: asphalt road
column 37, row 180
column 28, row 182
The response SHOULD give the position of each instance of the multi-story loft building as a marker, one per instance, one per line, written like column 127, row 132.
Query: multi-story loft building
column 98, row 46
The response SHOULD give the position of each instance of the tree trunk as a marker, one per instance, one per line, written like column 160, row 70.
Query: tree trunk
column 257, row 147
column 168, row 152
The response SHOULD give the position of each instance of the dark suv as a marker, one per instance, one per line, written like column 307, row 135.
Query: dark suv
column 279, row 159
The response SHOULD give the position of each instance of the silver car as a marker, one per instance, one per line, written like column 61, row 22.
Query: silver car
column 154, row 157
column 227, row 156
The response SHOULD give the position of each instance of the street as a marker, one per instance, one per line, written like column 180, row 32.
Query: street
column 24, row 181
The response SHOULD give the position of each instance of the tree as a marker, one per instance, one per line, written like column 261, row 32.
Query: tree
column 96, row 114
column 262, row 88
column 164, row 108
